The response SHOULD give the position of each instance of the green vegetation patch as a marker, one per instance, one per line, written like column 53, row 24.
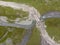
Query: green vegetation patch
column 15, row 34
column 41, row 5
column 2, row 31
column 12, row 14
column 53, row 28
column 35, row 37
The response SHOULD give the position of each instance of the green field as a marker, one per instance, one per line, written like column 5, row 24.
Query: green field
column 41, row 5
column 35, row 37
column 53, row 28
column 12, row 14
column 15, row 34
column 2, row 31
